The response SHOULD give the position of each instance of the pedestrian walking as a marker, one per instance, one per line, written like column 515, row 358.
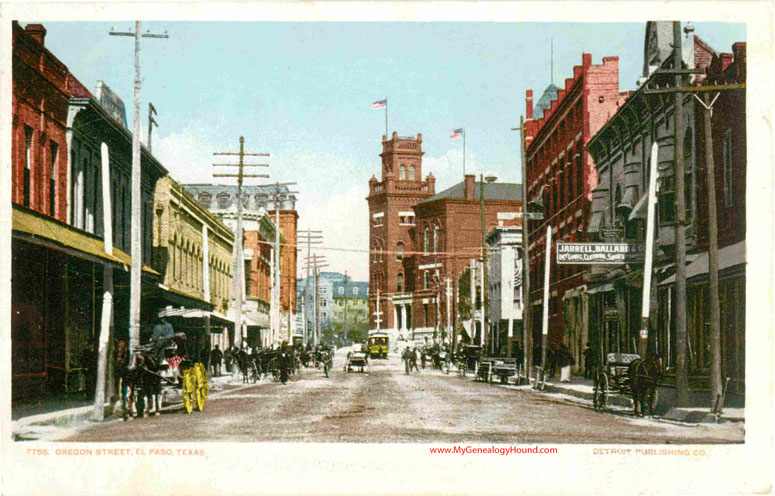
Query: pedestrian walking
column 588, row 355
column 284, row 364
column 565, row 360
column 413, row 358
column 215, row 360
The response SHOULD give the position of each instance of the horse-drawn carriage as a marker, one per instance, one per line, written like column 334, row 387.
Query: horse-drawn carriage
column 467, row 358
column 156, row 370
column 358, row 359
column 626, row 374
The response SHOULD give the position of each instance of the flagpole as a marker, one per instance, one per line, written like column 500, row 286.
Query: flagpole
column 386, row 119
column 464, row 152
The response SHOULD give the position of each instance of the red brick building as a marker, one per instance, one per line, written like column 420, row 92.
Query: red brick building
column 448, row 234
column 288, row 227
column 561, row 177
column 418, row 240
column 392, row 224
column 71, row 164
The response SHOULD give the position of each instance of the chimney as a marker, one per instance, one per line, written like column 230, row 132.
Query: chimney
column 529, row 105
column 431, row 180
column 37, row 32
column 470, row 182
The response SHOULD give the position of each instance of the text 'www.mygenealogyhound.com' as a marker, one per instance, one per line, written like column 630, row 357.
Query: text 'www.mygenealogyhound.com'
column 493, row 450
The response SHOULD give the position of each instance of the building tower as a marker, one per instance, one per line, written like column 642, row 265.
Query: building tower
column 391, row 227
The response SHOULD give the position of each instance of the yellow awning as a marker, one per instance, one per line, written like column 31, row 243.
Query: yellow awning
column 49, row 231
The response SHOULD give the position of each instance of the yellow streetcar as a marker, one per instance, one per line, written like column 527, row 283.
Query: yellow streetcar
column 378, row 345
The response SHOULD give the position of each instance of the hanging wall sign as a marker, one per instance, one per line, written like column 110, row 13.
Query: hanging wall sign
column 599, row 253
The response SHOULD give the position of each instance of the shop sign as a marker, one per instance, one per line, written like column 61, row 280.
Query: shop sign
column 599, row 253
column 610, row 313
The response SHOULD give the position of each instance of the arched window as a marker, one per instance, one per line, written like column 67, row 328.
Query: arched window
column 436, row 239
column 400, row 283
column 426, row 240
column 402, row 172
column 399, row 251
column 411, row 173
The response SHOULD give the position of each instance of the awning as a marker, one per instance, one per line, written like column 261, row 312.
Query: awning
column 195, row 313
column 603, row 288
column 629, row 200
column 729, row 256
column 595, row 222
column 44, row 231
column 639, row 211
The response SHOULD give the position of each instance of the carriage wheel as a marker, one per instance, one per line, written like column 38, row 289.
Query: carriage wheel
column 200, row 393
column 189, row 386
column 600, row 398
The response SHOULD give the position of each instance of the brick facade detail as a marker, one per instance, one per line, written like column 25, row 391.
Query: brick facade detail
column 561, row 175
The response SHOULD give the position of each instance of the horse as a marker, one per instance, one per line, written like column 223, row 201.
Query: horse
column 243, row 362
column 140, row 385
column 644, row 375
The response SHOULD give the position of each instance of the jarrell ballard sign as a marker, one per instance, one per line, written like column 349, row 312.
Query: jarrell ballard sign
column 599, row 253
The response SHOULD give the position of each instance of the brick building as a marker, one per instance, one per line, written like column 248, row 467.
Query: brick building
column 392, row 225
column 258, row 221
column 448, row 235
column 419, row 239
column 71, row 164
column 561, row 177
column 622, row 153
column 192, row 251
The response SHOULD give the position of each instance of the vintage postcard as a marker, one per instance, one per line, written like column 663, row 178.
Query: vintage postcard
column 395, row 248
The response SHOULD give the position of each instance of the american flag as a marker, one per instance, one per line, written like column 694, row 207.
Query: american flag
column 379, row 104
column 456, row 133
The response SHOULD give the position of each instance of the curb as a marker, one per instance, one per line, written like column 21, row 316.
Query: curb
column 81, row 415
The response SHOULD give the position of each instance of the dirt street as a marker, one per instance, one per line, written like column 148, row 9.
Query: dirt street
column 386, row 405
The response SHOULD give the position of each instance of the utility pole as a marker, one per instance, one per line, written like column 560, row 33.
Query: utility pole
column 527, row 329
column 275, row 307
column 449, row 298
column 715, row 310
column 151, row 122
column 136, row 251
column 545, row 323
column 647, row 266
column 239, row 263
column 677, row 91
column 681, row 378
column 378, row 313
column 311, row 237
column 316, row 262
column 345, row 304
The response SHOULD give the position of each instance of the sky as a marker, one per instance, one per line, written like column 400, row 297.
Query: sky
column 303, row 92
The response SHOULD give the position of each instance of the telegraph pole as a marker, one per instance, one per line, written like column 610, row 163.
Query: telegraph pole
column 681, row 378
column 136, row 251
column 345, row 304
column 239, row 263
column 527, row 330
column 316, row 262
column 449, row 297
column 378, row 313
column 707, row 104
column 311, row 237
column 275, row 308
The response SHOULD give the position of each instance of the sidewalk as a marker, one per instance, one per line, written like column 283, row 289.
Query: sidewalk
column 584, row 389
column 49, row 420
